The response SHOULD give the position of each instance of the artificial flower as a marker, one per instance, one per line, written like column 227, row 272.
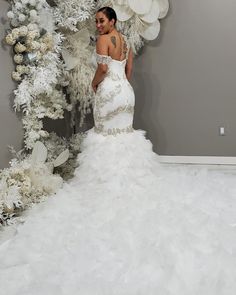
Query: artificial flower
column 10, row 14
column 18, row 58
column 16, row 76
column 20, row 47
column 10, row 40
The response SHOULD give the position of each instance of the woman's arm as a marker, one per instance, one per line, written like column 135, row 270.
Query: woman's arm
column 102, row 49
column 129, row 65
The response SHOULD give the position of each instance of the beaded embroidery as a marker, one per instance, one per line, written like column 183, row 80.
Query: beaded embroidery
column 103, row 59
column 113, row 131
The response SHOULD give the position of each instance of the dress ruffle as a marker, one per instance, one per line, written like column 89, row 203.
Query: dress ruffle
column 127, row 224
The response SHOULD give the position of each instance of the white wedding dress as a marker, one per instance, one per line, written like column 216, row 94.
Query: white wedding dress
column 126, row 224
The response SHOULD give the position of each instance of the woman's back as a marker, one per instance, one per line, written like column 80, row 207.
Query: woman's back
column 117, row 46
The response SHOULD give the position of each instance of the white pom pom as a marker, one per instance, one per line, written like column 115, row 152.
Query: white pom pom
column 22, row 17
column 33, row 13
column 18, row 5
column 10, row 14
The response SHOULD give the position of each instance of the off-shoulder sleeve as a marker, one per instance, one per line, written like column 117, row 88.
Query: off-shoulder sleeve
column 102, row 59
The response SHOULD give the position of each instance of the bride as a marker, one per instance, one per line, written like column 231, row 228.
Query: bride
column 126, row 224
column 114, row 102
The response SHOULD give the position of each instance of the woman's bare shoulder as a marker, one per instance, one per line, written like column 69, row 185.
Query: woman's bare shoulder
column 102, row 38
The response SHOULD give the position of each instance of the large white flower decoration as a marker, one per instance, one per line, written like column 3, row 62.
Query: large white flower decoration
column 149, row 12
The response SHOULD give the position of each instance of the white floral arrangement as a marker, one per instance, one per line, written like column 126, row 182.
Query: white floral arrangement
column 52, row 48
column 71, row 12
column 28, row 181
column 37, row 48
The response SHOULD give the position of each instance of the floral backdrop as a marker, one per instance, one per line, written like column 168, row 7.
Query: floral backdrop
column 52, row 43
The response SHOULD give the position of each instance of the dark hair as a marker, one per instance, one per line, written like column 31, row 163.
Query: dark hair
column 109, row 13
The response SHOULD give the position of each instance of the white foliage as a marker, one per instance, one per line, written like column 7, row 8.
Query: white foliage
column 45, row 77
column 22, row 12
column 62, row 158
column 23, row 95
column 39, row 153
column 69, row 13
column 28, row 181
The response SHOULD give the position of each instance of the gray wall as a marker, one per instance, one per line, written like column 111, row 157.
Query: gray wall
column 10, row 124
column 185, row 81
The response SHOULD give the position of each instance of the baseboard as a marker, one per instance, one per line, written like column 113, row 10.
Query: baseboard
column 209, row 160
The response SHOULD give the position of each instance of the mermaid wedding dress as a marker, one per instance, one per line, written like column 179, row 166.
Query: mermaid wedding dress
column 126, row 224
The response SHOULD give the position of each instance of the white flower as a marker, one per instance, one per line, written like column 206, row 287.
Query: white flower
column 147, row 12
column 18, row 58
column 33, row 135
column 10, row 14
column 25, row 2
column 10, row 40
column 21, row 69
column 39, row 55
column 35, row 45
column 16, row 76
column 43, row 133
column 32, row 27
column 19, row 47
column 15, row 33
column 23, row 31
column 43, row 48
column 69, row 13
column 32, row 2
column 18, row 5
column 22, row 17
column 32, row 35
column 14, row 22
column 69, row 107
column 33, row 13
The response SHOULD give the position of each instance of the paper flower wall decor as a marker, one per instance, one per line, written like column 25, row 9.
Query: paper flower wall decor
column 149, row 12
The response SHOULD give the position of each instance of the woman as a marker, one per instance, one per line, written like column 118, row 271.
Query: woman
column 125, row 225
column 114, row 59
